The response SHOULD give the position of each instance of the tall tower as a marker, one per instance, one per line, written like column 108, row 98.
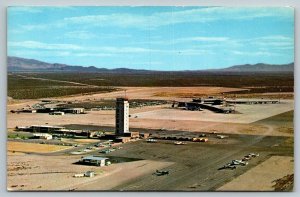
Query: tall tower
column 122, row 116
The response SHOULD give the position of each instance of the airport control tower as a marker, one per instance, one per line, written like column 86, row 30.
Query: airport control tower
column 122, row 116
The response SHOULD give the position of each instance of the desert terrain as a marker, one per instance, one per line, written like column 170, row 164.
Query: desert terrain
column 265, row 129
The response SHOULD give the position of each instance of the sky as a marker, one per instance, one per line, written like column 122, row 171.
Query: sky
column 153, row 38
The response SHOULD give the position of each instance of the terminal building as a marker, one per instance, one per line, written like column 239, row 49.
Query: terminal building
column 45, row 136
column 122, row 116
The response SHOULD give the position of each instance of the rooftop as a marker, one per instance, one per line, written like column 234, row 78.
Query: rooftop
column 122, row 99
column 41, row 134
column 93, row 157
column 47, row 126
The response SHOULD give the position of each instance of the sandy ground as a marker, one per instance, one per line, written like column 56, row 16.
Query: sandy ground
column 126, row 172
column 37, row 172
column 80, row 141
column 33, row 147
column 170, row 93
column 248, row 113
column 163, row 93
column 107, row 118
column 157, row 117
column 261, row 178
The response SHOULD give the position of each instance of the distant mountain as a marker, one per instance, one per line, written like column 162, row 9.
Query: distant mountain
column 22, row 64
column 17, row 64
column 261, row 68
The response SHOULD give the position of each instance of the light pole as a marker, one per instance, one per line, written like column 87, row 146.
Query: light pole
column 279, row 94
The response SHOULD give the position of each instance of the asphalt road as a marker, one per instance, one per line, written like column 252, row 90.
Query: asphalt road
column 196, row 164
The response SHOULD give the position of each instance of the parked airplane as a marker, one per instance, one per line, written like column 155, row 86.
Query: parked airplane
column 179, row 143
column 222, row 136
column 239, row 162
column 161, row 172
column 228, row 166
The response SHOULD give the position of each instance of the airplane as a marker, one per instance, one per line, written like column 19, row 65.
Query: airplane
column 228, row 166
column 246, row 158
column 222, row 136
column 179, row 143
column 152, row 140
column 239, row 162
column 253, row 155
column 161, row 172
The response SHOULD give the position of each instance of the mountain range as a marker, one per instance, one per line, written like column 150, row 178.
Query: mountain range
column 17, row 64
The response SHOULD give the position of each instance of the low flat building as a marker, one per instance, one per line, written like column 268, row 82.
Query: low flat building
column 60, row 131
column 44, row 136
column 89, row 174
column 29, row 111
column 60, row 113
column 74, row 110
column 93, row 160
column 123, row 139
column 252, row 101
column 145, row 135
column 45, row 110
column 133, row 134
column 45, row 128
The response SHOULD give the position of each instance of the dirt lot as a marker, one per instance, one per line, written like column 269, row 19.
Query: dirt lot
column 247, row 113
column 79, row 141
column 37, row 172
column 194, row 167
column 33, row 147
column 157, row 114
column 264, row 177
column 169, row 93
column 157, row 117
column 265, row 129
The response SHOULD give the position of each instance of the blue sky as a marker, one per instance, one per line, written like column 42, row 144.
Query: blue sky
column 157, row 38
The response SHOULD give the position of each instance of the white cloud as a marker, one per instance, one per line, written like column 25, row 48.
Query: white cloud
column 105, row 49
column 91, row 54
column 84, row 35
column 199, row 15
column 125, row 49
column 191, row 52
column 202, row 39
column 38, row 53
column 158, row 19
column 255, row 53
column 273, row 41
column 33, row 27
column 22, row 9
column 266, row 46
column 43, row 49
column 56, row 53
column 41, row 45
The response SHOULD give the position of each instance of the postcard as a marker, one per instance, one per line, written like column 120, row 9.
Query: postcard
column 150, row 98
